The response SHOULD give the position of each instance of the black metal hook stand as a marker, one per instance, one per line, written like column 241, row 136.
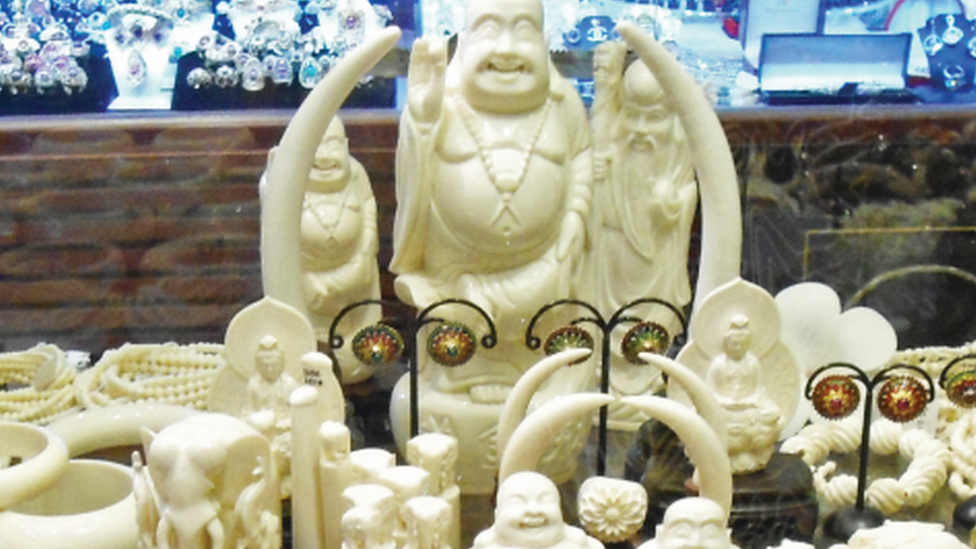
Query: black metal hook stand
column 336, row 341
column 605, row 327
column 963, row 394
column 412, row 327
column 488, row 341
column 944, row 381
column 842, row 524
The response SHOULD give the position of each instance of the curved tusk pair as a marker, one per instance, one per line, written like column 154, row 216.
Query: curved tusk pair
column 522, row 440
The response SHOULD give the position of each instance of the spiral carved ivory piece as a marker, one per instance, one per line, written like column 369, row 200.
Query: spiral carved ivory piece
column 925, row 475
column 962, row 444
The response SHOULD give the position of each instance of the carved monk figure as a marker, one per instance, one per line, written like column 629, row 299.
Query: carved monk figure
column 493, row 183
column 644, row 203
column 266, row 402
column 528, row 516
column 754, row 420
column 271, row 386
column 339, row 244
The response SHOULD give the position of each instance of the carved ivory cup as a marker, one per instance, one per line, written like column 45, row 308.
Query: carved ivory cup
column 90, row 506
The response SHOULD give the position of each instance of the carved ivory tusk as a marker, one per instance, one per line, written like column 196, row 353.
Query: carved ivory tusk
column 721, row 247
column 701, row 394
column 284, row 190
column 513, row 411
column 532, row 436
column 706, row 452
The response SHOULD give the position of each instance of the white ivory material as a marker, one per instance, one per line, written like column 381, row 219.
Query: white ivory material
column 721, row 241
column 145, row 502
column 371, row 495
column 493, row 189
column 700, row 394
column 306, row 511
column 335, row 475
column 611, row 509
column 281, row 203
column 475, row 426
column 428, row 523
column 318, row 371
column 339, row 245
column 43, row 459
column 115, row 426
column 369, row 517
column 271, row 349
column 369, row 463
column 437, row 454
column 534, row 434
column 528, row 516
column 903, row 535
column 90, row 506
column 131, row 373
column 790, row 544
column 517, row 403
column 366, row 528
column 266, row 404
column 692, row 523
column 51, row 392
column 706, row 452
column 736, row 348
column 246, row 337
column 406, row 482
column 645, row 197
column 213, row 479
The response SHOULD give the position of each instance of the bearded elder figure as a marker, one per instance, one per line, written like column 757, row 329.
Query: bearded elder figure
column 493, row 185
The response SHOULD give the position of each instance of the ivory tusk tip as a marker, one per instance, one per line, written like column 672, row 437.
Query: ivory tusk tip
column 389, row 34
column 651, row 358
column 572, row 355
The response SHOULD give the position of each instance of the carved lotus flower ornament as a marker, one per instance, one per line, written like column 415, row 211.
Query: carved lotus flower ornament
column 612, row 510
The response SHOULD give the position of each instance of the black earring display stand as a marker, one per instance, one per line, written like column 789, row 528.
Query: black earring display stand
column 377, row 92
column 95, row 97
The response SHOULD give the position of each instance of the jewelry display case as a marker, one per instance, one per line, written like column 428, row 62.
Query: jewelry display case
column 76, row 56
column 121, row 229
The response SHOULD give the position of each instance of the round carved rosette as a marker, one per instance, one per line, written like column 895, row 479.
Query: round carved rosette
column 378, row 345
column 568, row 337
column 645, row 337
column 451, row 344
column 612, row 510
column 902, row 399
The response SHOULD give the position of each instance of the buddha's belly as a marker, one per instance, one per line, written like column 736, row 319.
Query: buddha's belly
column 327, row 248
column 484, row 219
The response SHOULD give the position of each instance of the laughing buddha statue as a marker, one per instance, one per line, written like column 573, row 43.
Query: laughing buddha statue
column 493, row 187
